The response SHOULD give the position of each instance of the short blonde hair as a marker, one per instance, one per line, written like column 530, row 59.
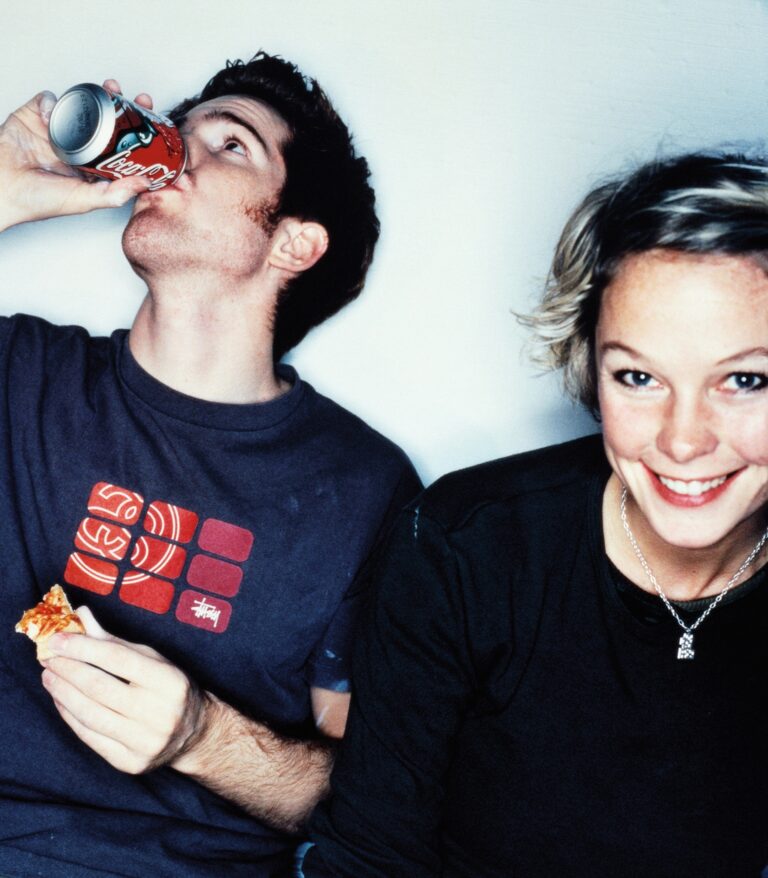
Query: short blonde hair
column 694, row 203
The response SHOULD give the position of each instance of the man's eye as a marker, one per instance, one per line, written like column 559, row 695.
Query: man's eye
column 232, row 144
column 746, row 381
column 635, row 378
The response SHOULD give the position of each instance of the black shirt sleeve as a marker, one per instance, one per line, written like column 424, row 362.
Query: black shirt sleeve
column 330, row 666
column 413, row 679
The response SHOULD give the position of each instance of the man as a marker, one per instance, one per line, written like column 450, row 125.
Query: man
column 209, row 507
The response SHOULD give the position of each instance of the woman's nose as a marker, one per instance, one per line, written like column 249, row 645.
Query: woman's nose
column 687, row 430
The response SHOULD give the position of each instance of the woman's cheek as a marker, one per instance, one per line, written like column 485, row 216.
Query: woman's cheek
column 628, row 427
column 751, row 444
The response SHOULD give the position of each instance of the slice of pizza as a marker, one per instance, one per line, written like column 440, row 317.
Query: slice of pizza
column 53, row 614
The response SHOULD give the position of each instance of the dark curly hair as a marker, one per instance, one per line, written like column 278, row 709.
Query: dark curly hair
column 326, row 182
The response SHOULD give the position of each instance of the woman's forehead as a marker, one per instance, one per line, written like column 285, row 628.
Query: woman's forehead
column 674, row 293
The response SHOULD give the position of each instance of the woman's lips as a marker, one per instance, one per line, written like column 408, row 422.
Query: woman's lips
column 690, row 492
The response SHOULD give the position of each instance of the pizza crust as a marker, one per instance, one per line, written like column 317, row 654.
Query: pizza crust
column 54, row 614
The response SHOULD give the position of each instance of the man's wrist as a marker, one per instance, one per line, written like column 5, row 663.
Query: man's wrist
column 191, row 756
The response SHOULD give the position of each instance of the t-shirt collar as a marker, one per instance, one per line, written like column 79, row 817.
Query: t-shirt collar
column 223, row 416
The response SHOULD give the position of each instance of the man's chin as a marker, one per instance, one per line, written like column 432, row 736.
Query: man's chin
column 146, row 239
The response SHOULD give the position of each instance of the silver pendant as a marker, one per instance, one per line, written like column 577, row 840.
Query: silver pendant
column 685, row 646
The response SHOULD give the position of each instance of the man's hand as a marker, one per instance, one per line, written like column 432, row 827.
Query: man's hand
column 124, row 700
column 139, row 712
column 35, row 184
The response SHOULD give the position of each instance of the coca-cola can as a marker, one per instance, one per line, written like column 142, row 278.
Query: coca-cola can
column 103, row 133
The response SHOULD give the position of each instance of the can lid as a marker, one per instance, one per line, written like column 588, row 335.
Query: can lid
column 81, row 123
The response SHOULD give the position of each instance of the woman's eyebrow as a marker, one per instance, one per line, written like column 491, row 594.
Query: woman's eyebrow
column 618, row 346
column 758, row 351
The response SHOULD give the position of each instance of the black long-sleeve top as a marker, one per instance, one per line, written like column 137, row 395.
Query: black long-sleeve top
column 519, row 707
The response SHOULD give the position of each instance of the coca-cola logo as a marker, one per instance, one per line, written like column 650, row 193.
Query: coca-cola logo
column 122, row 165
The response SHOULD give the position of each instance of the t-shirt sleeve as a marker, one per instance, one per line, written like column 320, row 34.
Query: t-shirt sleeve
column 413, row 681
column 330, row 665
column 5, row 331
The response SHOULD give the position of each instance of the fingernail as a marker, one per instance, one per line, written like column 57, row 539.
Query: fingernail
column 47, row 103
column 57, row 643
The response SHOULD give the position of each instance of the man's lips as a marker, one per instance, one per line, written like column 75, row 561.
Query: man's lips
column 155, row 196
column 691, row 492
column 181, row 184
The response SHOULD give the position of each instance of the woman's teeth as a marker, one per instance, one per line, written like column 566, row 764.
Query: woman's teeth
column 691, row 489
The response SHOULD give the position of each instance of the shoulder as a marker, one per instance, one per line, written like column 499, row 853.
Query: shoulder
column 343, row 435
column 26, row 331
column 522, row 481
column 33, row 349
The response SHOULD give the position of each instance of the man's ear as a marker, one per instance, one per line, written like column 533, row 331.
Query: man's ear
column 298, row 245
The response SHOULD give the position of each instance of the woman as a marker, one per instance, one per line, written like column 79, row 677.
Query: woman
column 563, row 670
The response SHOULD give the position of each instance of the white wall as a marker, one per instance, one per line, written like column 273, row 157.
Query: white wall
column 484, row 122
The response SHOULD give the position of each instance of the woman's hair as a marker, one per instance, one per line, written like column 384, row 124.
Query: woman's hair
column 696, row 203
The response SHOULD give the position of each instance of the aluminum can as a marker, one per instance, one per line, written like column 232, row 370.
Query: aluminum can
column 107, row 135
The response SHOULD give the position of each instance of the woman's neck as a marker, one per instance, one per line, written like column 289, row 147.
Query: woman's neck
column 683, row 573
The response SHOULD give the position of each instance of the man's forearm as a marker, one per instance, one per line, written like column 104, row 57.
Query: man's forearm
column 277, row 779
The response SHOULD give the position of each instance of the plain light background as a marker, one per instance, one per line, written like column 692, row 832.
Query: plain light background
column 484, row 122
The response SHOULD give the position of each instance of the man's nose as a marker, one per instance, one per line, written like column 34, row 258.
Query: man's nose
column 194, row 150
column 687, row 430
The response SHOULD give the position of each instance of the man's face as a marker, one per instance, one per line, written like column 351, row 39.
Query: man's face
column 217, row 217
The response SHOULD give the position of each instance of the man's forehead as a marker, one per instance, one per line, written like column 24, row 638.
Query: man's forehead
column 253, row 111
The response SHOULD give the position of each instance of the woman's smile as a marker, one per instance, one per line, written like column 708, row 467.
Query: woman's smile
column 690, row 493
column 682, row 363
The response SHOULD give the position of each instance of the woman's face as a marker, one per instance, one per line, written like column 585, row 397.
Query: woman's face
column 682, row 364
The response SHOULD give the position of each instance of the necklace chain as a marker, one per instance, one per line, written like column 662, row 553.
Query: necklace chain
column 685, row 649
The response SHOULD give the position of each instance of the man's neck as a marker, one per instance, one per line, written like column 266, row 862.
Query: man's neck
column 211, row 347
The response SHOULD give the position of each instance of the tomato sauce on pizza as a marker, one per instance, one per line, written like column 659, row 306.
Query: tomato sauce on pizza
column 53, row 614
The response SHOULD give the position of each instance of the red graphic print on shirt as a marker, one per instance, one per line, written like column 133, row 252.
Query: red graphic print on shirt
column 109, row 501
column 214, row 575
column 147, row 592
column 145, row 556
column 226, row 539
column 90, row 573
column 171, row 522
column 166, row 559
column 102, row 538
column 204, row 611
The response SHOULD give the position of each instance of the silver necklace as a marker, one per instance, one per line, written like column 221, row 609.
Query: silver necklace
column 685, row 644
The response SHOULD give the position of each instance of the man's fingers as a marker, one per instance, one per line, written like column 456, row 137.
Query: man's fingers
column 114, row 752
column 93, row 714
column 117, row 714
column 85, row 682
column 143, row 99
column 122, row 191
column 130, row 662
column 92, row 627
column 46, row 101
column 85, row 196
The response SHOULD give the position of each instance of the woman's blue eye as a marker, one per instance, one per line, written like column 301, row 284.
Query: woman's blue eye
column 634, row 378
column 748, row 381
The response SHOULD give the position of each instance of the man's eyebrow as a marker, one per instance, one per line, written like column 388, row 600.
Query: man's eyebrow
column 212, row 115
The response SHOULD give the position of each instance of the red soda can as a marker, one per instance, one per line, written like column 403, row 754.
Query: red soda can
column 104, row 134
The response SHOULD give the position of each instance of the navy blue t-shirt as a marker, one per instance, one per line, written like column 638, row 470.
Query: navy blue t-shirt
column 225, row 536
